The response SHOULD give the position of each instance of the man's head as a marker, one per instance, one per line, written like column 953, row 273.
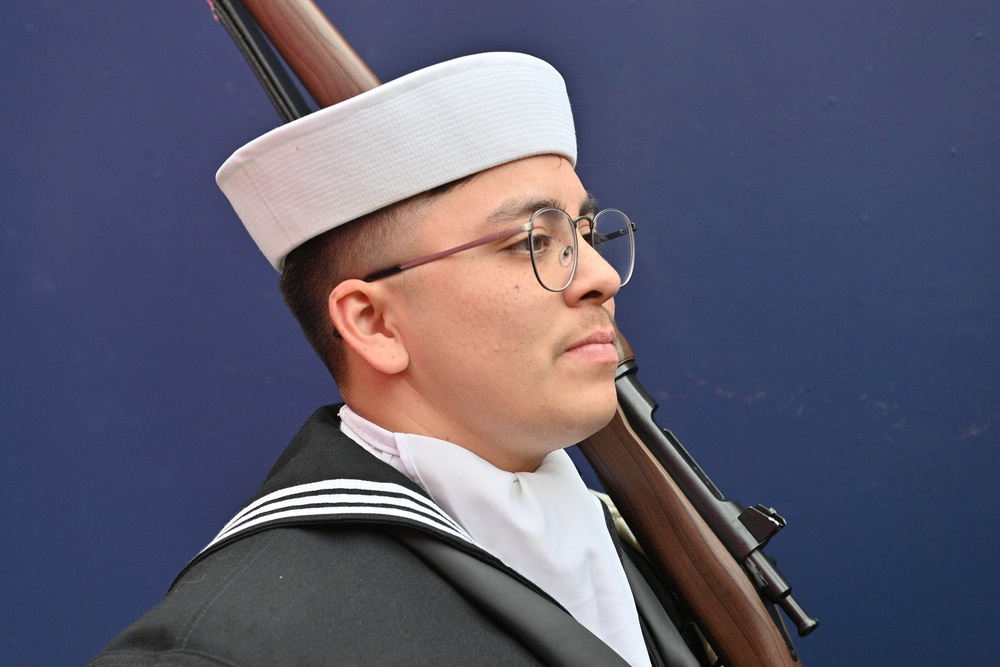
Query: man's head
column 470, row 347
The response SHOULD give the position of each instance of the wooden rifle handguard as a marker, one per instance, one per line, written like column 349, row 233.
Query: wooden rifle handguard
column 684, row 549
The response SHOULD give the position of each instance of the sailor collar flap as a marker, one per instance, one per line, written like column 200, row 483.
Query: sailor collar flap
column 324, row 478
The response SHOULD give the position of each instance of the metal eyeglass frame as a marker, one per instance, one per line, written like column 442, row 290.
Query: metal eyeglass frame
column 526, row 227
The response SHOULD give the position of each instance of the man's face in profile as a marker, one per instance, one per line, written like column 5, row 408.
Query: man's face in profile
column 504, row 367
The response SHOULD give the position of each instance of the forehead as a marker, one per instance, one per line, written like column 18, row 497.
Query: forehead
column 515, row 188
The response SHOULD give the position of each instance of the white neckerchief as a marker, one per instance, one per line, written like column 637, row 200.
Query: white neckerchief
column 544, row 524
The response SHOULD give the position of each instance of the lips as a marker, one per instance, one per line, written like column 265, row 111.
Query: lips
column 596, row 338
column 599, row 346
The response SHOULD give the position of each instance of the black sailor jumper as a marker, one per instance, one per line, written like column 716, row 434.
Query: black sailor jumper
column 341, row 560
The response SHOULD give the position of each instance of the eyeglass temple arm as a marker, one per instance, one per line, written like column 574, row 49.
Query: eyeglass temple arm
column 621, row 232
column 489, row 238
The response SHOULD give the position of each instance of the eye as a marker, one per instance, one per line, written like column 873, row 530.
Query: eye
column 537, row 241
column 541, row 241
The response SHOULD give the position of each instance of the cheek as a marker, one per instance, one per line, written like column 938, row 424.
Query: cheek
column 489, row 323
column 506, row 320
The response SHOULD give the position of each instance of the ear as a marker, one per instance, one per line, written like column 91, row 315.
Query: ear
column 362, row 314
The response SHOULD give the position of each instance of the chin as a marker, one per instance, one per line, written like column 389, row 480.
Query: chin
column 591, row 418
column 604, row 417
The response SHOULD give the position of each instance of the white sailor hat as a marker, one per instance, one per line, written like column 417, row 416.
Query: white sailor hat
column 402, row 138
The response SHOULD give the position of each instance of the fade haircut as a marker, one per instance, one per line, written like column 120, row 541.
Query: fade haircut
column 352, row 250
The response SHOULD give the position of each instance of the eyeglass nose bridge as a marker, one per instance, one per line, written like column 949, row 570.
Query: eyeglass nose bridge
column 587, row 242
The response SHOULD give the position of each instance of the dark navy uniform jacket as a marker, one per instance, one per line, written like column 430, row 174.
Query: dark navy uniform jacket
column 341, row 560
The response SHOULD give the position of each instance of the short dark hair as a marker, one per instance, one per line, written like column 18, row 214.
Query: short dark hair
column 352, row 250
column 314, row 268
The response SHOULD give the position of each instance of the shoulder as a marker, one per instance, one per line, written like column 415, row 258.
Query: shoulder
column 330, row 585
column 316, row 595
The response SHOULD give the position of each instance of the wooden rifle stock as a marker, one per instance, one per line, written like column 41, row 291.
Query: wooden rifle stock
column 683, row 547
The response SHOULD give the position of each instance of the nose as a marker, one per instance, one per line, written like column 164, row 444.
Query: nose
column 595, row 280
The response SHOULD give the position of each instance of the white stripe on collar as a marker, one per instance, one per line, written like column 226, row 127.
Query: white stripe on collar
column 337, row 499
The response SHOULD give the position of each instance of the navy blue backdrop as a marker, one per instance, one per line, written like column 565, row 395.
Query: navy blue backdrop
column 815, row 305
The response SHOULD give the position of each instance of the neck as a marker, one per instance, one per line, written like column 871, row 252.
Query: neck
column 396, row 407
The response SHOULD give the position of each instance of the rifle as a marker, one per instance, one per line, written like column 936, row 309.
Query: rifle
column 696, row 538
column 706, row 548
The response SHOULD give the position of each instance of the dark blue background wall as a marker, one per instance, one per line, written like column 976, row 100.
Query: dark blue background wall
column 815, row 307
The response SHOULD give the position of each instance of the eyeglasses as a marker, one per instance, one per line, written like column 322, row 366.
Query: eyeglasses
column 551, row 242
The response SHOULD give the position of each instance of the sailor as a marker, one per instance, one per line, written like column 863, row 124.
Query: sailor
column 457, row 279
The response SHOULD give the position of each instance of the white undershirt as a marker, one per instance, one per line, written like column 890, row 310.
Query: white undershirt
column 545, row 524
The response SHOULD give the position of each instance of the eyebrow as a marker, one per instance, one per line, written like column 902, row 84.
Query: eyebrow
column 588, row 206
column 517, row 209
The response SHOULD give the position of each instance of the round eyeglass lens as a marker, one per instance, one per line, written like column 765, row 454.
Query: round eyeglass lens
column 553, row 248
column 614, row 240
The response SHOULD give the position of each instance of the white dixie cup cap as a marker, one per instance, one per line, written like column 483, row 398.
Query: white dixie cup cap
column 407, row 136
